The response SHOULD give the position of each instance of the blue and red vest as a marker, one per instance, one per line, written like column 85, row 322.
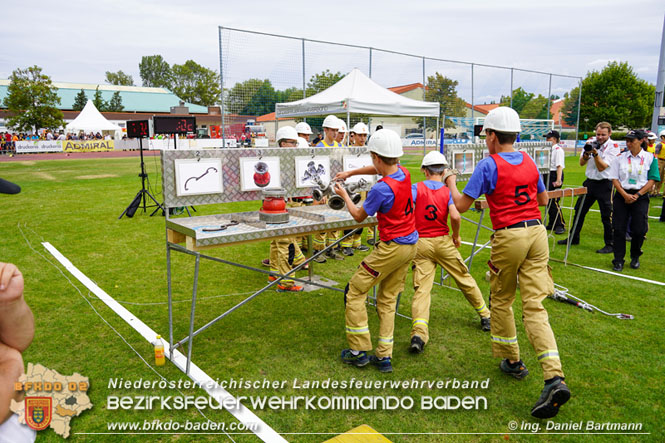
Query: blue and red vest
column 399, row 221
column 514, row 198
column 432, row 210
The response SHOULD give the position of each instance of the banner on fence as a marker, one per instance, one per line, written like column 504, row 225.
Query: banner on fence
column 32, row 146
column 88, row 145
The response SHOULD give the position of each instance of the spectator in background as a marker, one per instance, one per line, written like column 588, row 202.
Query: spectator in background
column 597, row 156
column 633, row 173
column 554, row 180
column 660, row 155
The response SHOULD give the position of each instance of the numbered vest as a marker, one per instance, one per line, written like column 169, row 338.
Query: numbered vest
column 432, row 210
column 514, row 198
column 400, row 220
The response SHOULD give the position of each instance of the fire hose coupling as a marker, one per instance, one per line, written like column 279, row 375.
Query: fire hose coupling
column 335, row 201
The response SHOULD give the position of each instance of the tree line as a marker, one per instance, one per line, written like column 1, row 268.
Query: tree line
column 614, row 94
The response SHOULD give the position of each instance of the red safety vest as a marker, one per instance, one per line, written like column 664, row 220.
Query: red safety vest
column 399, row 221
column 514, row 198
column 432, row 210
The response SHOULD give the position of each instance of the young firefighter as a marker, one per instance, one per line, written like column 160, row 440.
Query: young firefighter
column 359, row 132
column 387, row 264
column 433, row 204
column 341, row 134
column 514, row 190
column 279, row 248
column 331, row 126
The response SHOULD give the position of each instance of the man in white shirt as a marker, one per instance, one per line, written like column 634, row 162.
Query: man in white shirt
column 633, row 173
column 554, row 180
column 598, row 154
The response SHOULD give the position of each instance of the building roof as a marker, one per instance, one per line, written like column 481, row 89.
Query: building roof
column 270, row 118
column 406, row 88
column 483, row 108
column 134, row 98
column 555, row 111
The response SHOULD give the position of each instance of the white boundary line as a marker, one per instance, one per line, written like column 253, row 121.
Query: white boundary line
column 244, row 415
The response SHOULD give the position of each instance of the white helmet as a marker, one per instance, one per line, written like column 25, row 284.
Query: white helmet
column 303, row 128
column 386, row 143
column 651, row 136
column 662, row 133
column 503, row 119
column 434, row 158
column 302, row 143
column 331, row 122
column 342, row 126
column 286, row 132
column 360, row 128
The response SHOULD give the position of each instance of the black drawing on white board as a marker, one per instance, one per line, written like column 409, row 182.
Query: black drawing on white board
column 199, row 177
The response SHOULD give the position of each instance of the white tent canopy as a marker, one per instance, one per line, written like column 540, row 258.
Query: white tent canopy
column 90, row 119
column 357, row 93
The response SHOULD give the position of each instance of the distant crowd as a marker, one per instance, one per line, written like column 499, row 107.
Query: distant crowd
column 8, row 139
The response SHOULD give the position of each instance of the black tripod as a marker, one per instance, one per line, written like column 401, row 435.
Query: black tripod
column 136, row 203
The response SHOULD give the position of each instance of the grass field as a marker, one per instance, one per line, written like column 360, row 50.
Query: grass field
column 614, row 367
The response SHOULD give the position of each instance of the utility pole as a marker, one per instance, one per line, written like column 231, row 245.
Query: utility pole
column 660, row 84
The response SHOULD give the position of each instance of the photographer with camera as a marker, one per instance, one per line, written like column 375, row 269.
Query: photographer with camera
column 598, row 154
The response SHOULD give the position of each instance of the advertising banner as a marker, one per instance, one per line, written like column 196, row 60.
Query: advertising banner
column 32, row 146
column 88, row 145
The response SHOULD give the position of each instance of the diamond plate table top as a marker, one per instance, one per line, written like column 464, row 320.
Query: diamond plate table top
column 302, row 221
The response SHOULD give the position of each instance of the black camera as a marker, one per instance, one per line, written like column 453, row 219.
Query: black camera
column 590, row 146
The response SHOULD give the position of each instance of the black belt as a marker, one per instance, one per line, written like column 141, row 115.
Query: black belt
column 523, row 224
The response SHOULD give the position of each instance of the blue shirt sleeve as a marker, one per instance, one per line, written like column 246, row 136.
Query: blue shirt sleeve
column 414, row 192
column 483, row 179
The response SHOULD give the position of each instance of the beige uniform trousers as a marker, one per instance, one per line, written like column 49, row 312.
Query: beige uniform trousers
column 442, row 251
column 523, row 252
column 279, row 258
column 386, row 266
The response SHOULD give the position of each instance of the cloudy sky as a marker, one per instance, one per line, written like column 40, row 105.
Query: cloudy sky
column 77, row 41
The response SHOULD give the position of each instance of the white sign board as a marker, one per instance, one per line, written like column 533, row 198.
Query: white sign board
column 358, row 161
column 198, row 176
column 308, row 168
column 464, row 162
column 542, row 158
column 257, row 173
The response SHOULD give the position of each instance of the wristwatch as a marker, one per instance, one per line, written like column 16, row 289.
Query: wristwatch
column 595, row 155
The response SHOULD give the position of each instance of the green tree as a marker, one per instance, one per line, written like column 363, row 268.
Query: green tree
column 535, row 108
column 252, row 97
column 119, row 78
column 616, row 95
column 442, row 89
column 322, row 81
column 195, row 83
column 570, row 106
column 155, row 71
column 115, row 104
column 80, row 101
column 520, row 99
column 32, row 101
column 101, row 104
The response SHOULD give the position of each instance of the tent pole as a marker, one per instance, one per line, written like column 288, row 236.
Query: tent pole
column 437, row 130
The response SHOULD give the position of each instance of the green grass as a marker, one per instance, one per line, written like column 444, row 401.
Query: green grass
column 614, row 368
